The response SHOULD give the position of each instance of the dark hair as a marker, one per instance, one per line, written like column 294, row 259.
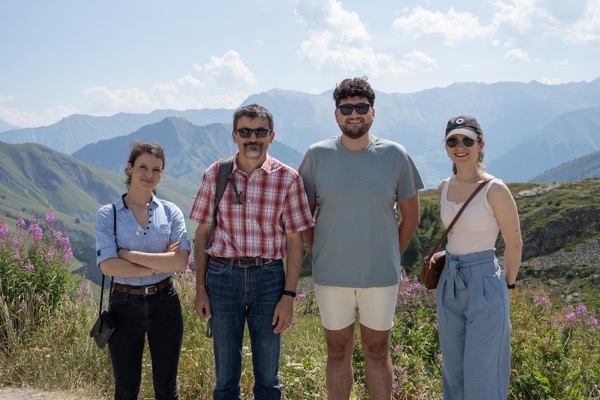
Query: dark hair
column 139, row 148
column 252, row 111
column 352, row 87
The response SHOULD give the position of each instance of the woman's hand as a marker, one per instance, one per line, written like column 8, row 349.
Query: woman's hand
column 174, row 247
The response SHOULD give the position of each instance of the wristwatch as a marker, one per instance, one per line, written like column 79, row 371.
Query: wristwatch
column 290, row 293
column 511, row 286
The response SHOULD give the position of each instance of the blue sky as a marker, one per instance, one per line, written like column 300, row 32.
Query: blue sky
column 61, row 57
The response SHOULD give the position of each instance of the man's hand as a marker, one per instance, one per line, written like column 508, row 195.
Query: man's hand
column 202, row 304
column 284, row 312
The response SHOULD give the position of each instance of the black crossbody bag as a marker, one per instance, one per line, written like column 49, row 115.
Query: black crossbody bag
column 104, row 326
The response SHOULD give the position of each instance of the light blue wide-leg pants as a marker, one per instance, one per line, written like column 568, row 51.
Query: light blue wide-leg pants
column 474, row 328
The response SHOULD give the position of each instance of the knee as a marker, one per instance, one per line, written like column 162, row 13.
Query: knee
column 376, row 351
column 339, row 351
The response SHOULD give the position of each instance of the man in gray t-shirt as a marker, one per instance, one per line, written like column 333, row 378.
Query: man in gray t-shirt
column 353, row 182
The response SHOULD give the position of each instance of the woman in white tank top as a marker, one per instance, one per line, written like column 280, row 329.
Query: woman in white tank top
column 472, row 294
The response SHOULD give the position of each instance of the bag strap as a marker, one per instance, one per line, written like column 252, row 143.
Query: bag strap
column 104, row 276
column 447, row 231
column 225, row 169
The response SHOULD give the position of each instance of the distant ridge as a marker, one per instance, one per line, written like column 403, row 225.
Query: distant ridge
column 578, row 169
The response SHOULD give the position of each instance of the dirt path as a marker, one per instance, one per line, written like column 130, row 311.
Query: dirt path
column 27, row 394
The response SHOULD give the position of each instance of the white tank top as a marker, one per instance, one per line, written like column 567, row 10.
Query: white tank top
column 477, row 229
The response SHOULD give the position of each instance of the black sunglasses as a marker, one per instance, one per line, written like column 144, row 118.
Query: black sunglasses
column 245, row 133
column 361, row 108
column 453, row 142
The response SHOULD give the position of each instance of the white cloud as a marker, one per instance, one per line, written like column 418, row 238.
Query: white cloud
column 587, row 29
column 517, row 55
column 550, row 81
column 416, row 60
column 6, row 99
column 573, row 22
column 228, row 67
column 331, row 16
column 339, row 41
column 453, row 27
column 24, row 119
column 189, row 80
column 160, row 96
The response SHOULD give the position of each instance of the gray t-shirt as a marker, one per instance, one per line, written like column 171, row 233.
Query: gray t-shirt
column 356, row 230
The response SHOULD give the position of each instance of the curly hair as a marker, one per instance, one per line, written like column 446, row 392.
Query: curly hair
column 352, row 87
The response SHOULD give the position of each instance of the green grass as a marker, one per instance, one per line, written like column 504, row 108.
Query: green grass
column 555, row 351
column 45, row 317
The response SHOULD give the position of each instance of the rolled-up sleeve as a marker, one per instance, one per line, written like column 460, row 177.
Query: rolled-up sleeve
column 178, row 230
column 106, row 246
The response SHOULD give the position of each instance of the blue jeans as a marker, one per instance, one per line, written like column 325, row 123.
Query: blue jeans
column 159, row 316
column 238, row 295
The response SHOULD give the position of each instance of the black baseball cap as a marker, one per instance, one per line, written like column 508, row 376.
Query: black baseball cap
column 465, row 125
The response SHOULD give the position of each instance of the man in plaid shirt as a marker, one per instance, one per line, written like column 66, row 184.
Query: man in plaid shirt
column 240, row 274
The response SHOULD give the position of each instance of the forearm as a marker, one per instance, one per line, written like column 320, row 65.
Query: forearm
column 123, row 268
column 159, row 262
column 512, row 262
column 200, row 257
column 308, row 237
column 406, row 230
column 294, row 260
column 409, row 221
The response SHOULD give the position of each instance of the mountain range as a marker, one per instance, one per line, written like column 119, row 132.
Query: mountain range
column 533, row 132
column 529, row 127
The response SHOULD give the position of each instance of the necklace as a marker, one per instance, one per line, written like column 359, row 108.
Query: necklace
column 477, row 175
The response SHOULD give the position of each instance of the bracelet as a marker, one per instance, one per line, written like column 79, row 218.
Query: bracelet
column 290, row 293
column 514, row 285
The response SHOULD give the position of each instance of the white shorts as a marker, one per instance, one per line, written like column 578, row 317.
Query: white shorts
column 337, row 306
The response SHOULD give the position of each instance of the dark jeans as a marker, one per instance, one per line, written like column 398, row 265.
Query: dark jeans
column 238, row 295
column 159, row 316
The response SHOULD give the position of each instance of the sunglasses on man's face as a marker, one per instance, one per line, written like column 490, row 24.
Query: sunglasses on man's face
column 453, row 142
column 361, row 108
column 260, row 133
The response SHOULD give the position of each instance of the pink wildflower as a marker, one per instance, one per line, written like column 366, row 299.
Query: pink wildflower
column 543, row 301
column 49, row 218
column 4, row 230
column 36, row 231
column 20, row 223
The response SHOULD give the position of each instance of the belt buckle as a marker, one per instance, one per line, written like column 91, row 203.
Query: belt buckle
column 150, row 290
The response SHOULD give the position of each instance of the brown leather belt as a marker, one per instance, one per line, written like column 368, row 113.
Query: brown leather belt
column 244, row 262
column 142, row 290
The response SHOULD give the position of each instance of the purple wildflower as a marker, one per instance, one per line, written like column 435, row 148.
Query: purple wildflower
column 302, row 297
column 49, row 218
column 36, row 231
column 23, row 305
column 593, row 323
column 20, row 223
column 4, row 230
column 543, row 301
column 68, row 254
column 29, row 267
column 581, row 310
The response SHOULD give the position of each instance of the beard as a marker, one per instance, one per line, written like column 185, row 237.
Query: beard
column 253, row 150
column 355, row 133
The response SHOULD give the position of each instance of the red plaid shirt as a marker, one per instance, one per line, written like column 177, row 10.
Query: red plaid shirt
column 274, row 203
